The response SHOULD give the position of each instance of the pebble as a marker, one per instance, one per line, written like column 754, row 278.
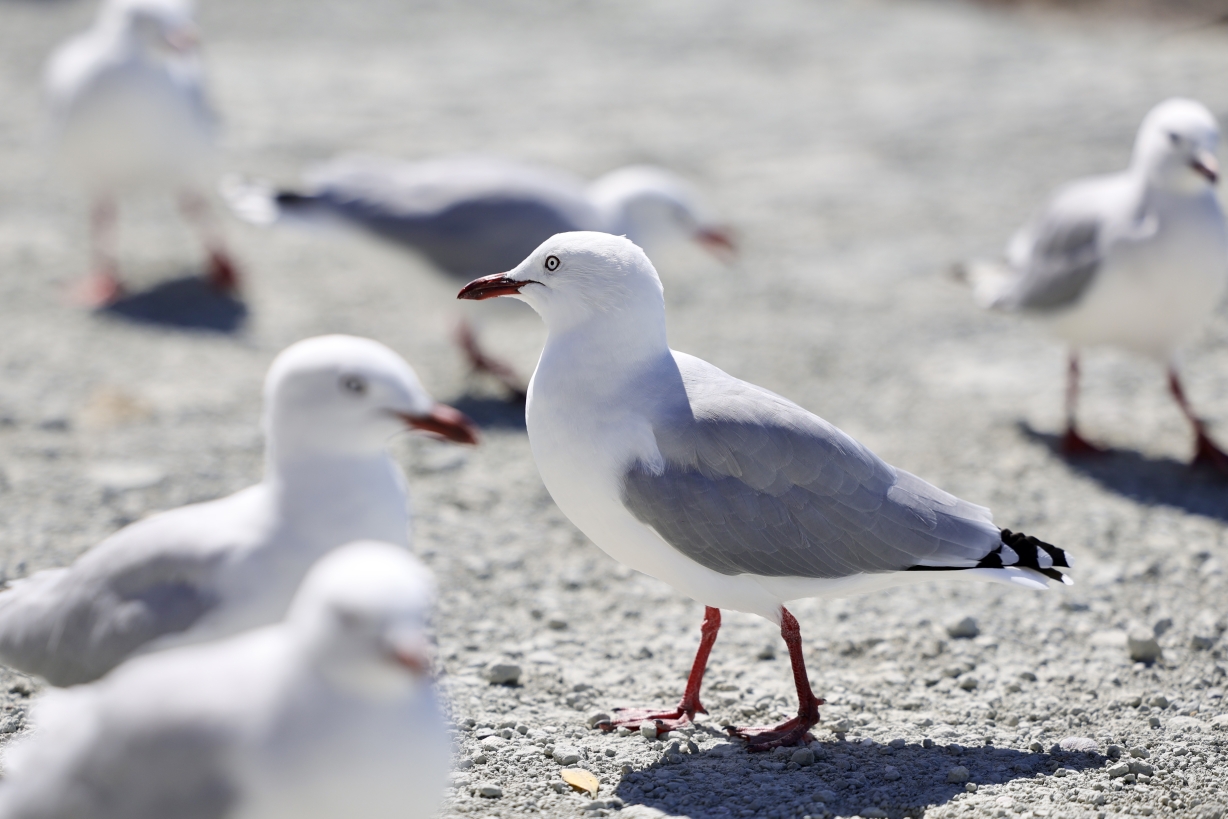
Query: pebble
column 1143, row 647
column 501, row 673
column 565, row 755
column 768, row 652
column 891, row 773
column 802, row 757
column 648, row 730
column 970, row 787
column 1139, row 752
column 963, row 628
column 1158, row 701
column 969, row 683
column 1119, row 770
column 487, row 790
column 1085, row 744
column 958, row 774
column 597, row 718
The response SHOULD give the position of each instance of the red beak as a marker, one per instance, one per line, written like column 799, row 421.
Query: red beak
column 489, row 287
column 1207, row 166
column 719, row 242
column 446, row 422
column 414, row 661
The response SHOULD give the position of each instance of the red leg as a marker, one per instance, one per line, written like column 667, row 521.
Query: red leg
column 797, row 730
column 102, row 287
column 223, row 274
column 1206, row 453
column 1072, row 442
column 480, row 362
column 690, row 704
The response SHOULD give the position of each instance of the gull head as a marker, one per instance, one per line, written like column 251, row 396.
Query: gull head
column 346, row 396
column 1176, row 146
column 361, row 615
column 578, row 278
column 654, row 207
column 160, row 27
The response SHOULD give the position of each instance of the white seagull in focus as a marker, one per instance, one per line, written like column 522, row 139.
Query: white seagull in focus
column 129, row 111
column 1136, row 259
column 736, row 497
column 328, row 715
column 213, row 569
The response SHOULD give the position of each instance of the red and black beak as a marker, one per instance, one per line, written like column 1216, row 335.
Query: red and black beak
column 489, row 287
column 446, row 422
column 719, row 242
column 1207, row 165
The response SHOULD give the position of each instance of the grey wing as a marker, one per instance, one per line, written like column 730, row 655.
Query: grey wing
column 72, row 625
column 1057, row 255
column 469, row 216
column 141, row 770
column 754, row 484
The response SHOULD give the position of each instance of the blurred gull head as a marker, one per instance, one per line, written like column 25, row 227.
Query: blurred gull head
column 1176, row 146
column 158, row 26
column 652, row 207
column 361, row 614
column 346, row 396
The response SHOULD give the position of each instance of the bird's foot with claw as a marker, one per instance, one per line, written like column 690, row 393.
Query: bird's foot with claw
column 791, row 732
column 1207, row 454
column 634, row 718
column 1076, row 445
column 100, row 289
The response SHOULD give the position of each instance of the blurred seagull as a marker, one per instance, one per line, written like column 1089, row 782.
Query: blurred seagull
column 129, row 111
column 213, row 569
column 1136, row 259
column 326, row 715
column 472, row 215
column 733, row 495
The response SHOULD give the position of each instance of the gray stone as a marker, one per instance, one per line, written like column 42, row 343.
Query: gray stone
column 1085, row 744
column 486, row 790
column 802, row 757
column 1142, row 647
column 958, row 774
column 501, row 673
column 566, row 755
column 963, row 628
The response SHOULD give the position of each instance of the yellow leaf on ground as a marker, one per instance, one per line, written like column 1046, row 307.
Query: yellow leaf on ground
column 581, row 780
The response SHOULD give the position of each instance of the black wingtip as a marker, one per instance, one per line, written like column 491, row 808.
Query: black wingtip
column 1018, row 551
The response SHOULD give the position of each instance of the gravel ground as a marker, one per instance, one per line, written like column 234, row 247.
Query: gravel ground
column 860, row 147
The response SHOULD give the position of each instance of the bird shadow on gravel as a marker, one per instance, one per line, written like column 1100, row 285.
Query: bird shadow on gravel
column 187, row 302
column 492, row 413
column 1146, row 480
column 845, row 779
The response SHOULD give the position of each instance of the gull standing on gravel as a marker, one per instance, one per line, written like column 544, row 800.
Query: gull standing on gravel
column 733, row 495
column 129, row 112
column 213, row 569
column 1137, row 259
column 329, row 714
column 473, row 215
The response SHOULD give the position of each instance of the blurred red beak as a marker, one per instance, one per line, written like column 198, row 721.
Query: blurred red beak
column 446, row 422
column 183, row 39
column 417, row 662
column 489, row 287
column 1208, row 166
column 719, row 242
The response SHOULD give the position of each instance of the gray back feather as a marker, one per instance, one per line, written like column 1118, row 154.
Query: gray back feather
column 73, row 625
column 150, row 771
column 754, row 484
column 469, row 216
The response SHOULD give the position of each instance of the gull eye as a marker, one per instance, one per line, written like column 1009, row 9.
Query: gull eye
column 552, row 262
column 354, row 384
column 1174, row 138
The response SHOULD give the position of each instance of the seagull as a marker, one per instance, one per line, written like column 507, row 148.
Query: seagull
column 129, row 111
column 476, row 215
column 735, row 496
column 326, row 715
column 212, row 569
column 1136, row 259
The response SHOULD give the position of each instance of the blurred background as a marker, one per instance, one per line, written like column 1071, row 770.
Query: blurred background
column 859, row 148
